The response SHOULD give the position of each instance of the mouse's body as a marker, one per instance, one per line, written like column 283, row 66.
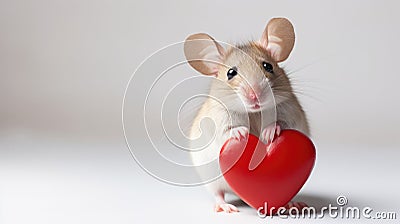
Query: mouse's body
column 250, row 94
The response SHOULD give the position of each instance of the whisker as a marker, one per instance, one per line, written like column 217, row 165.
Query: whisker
column 308, row 64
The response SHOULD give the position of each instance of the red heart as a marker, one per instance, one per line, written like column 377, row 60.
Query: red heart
column 280, row 174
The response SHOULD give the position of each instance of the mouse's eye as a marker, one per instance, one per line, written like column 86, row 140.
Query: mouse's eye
column 232, row 72
column 268, row 67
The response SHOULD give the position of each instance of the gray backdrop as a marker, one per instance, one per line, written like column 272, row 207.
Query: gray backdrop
column 64, row 66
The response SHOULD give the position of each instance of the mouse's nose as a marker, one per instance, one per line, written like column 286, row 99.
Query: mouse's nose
column 252, row 95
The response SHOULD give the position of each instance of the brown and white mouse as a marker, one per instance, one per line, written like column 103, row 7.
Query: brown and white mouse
column 248, row 85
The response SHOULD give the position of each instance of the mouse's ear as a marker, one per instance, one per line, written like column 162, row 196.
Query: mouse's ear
column 203, row 53
column 278, row 38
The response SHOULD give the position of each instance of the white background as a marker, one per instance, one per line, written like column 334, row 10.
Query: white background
column 64, row 66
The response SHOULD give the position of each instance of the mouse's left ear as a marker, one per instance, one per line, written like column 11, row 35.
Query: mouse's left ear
column 278, row 38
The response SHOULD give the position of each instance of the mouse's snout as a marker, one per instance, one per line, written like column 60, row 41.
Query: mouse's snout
column 251, row 95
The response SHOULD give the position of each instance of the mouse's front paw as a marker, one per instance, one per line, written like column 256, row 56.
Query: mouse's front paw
column 268, row 133
column 238, row 133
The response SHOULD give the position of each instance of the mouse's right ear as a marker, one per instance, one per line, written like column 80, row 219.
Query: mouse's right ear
column 203, row 53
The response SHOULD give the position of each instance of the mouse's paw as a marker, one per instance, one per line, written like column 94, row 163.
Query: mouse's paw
column 268, row 133
column 239, row 133
column 225, row 207
column 295, row 207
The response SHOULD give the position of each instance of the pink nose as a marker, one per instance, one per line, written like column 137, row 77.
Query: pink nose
column 252, row 95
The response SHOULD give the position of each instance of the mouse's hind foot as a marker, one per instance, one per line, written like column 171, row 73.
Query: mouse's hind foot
column 221, row 205
column 225, row 207
column 295, row 207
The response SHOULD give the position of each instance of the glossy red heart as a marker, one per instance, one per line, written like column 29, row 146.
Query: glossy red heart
column 279, row 176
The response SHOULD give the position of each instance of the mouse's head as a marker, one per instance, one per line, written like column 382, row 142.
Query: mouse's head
column 246, row 70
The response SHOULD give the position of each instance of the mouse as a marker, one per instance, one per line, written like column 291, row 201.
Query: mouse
column 247, row 84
